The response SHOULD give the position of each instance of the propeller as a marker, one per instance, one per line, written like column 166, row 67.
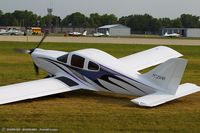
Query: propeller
column 30, row 51
column 23, row 51
column 36, row 69
column 45, row 35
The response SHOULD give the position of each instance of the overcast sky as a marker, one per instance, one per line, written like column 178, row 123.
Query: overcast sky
column 156, row 8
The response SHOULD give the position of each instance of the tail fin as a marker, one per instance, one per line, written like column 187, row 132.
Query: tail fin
column 168, row 75
column 85, row 33
column 166, row 34
column 107, row 33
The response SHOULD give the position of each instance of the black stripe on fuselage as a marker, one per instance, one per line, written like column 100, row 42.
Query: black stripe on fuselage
column 131, row 85
column 129, row 78
column 97, row 82
column 106, row 79
column 54, row 62
column 117, row 78
column 51, row 61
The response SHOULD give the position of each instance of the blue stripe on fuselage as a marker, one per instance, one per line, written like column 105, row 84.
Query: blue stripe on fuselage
column 95, row 75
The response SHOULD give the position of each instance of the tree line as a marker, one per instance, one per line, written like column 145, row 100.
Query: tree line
column 137, row 23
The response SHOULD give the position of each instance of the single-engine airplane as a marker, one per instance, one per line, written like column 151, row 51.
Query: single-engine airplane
column 98, row 34
column 96, row 70
column 171, row 35
column 78, row 33
column 11, row 31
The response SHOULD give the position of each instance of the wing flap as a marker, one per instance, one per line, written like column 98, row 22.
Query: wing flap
column 158, row 98
column 34, row 89
column 150, row 57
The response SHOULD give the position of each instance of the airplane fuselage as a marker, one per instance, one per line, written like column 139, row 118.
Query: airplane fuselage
column 98, row 75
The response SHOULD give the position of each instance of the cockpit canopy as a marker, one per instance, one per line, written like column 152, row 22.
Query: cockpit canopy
column 80, row 62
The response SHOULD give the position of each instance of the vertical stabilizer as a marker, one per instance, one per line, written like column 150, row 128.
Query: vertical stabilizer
column 84, row 33
column 166, row 34
column 107, row 33
column 168, row 75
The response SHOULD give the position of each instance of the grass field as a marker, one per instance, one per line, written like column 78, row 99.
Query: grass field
column 91, row 112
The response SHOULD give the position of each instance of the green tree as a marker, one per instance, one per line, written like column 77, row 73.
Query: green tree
column 25, row 18
column 1, row 13
column 189, row 21
column 48, row 20
column 75, row 20
column 155, row 25
column 176, row 23
column 8, row 20
column 108, row 19
column 165, row 22
column 95, row 20
column 123, row 20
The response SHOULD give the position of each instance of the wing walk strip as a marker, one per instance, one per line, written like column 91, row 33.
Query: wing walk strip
column 67, row 81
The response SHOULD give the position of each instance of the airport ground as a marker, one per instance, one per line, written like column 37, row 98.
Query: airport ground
column 95, row 112
column 104, row 40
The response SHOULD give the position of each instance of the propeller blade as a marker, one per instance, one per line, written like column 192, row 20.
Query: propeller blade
column 24, row 51
column 36, row 69
column 45, row 35
column 30, row 51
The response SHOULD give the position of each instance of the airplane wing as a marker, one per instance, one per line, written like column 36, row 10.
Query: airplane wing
column 37, row 88
column 150, row 57
column 158, row 98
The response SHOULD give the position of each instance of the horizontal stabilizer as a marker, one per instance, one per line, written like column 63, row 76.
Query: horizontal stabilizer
column 150, row 57
column 158, row 98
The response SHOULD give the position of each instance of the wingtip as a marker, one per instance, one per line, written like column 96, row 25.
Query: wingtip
column 142, row 104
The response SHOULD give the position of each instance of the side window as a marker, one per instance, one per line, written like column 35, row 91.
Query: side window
column 77, row 61
column 93, row 66
column 63, row 58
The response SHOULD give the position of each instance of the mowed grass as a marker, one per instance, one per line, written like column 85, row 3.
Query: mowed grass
column 91, row 112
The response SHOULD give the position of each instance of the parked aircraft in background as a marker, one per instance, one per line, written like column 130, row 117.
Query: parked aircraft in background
column 172, row 35
column 78, row 33
column 98, row 34
column 2, row 31
column 11, row 31
column 96, row 70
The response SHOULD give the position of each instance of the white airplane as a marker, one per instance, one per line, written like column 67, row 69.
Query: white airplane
column 98, row 34
column 96, row 70
column 11, row 31
column 172, row 35
column 78, row 33
column 3, row 32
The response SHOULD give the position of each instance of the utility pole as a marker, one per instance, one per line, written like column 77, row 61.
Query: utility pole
column 50, row 10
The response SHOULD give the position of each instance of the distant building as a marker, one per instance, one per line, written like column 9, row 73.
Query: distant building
column 115, row 30
column 184, row 32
